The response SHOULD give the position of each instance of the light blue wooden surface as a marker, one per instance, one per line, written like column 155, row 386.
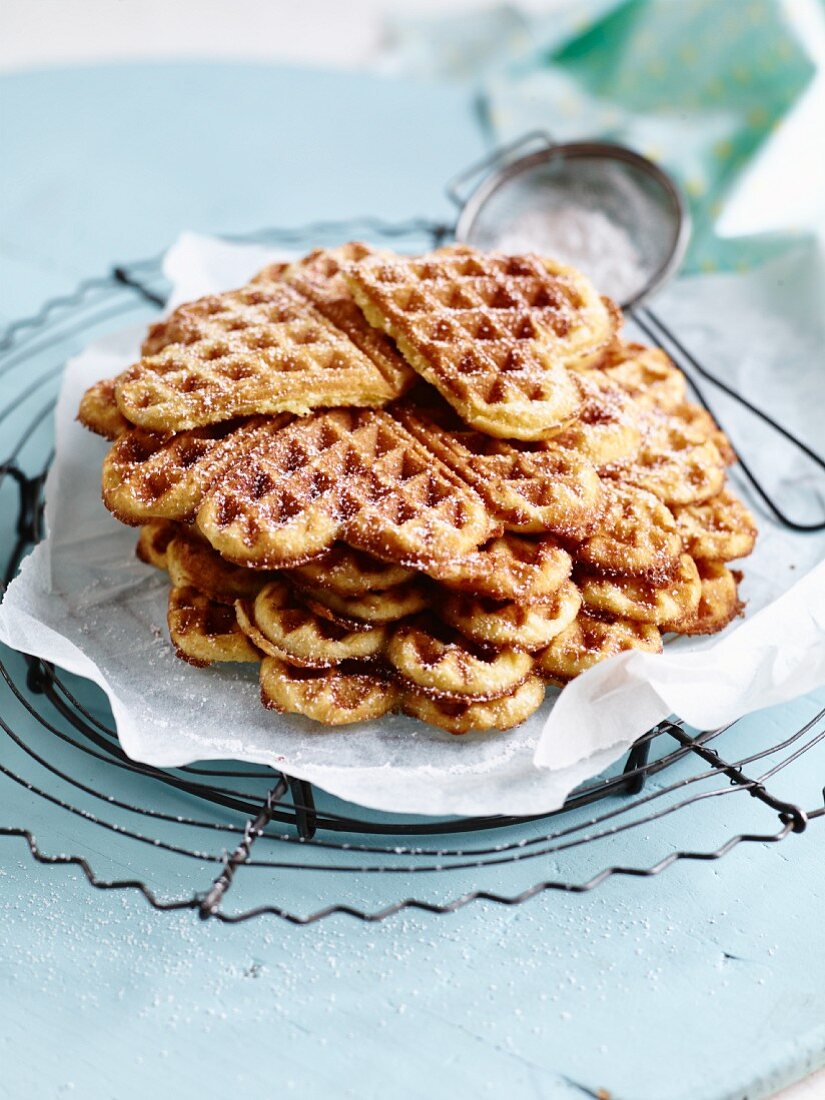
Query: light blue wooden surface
column 707, row 982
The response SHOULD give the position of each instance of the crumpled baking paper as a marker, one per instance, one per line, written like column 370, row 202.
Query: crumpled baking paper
column 84, row 602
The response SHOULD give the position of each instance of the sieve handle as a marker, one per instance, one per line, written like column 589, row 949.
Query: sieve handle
column 502, row 155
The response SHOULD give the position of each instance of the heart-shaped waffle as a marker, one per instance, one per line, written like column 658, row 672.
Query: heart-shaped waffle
column 547, row 490
column 494, row 334
column 502, row 623
column 674, row 463
column 699, row 423
column 606, row 429
column 349, row 475
column 203, row 631
column 148, row 476
column 348, row 572
column 280, row 624
column 320, row 279
column 645, row 374
column 637, row 537
column 264, row 348
column 461, row 716
column 589, row 640
column 333, row 696
column 386, row 606
column 99, row 412
column 720, row 529
column 634, row 598
column 719, row 603
column 510, row 568
column 437, row 660
column 191, row 562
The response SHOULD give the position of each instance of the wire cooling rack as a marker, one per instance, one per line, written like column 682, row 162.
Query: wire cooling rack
column 186, row 833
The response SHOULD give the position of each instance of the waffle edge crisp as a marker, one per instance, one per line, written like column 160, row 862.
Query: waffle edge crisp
column 427, row 485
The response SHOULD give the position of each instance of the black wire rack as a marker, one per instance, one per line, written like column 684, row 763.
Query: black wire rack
column 187, row 832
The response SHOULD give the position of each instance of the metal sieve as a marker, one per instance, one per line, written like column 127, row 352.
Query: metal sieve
column 606, row 210
column 614, row 215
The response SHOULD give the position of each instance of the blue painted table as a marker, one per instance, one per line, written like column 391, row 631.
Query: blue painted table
column 706, row 982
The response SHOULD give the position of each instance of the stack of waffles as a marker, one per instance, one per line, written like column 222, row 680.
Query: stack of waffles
column 421, row 484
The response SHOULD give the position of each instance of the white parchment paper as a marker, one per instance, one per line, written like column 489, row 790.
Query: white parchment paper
column 83, row 601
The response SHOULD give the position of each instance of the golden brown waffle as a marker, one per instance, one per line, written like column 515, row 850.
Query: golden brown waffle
column 719, row 603
column 589, row 640
column 99, row 412
column 606, row 429
column 280, row 624
column 204, row 631
column 501, row 624
column 674, row 463
column 426, row 558
column 510, row 568
column 460, row 716
column 349, row 572
column 351, row 693
column 548, row 490
column 698, row 422
column 349, row 475
column 437, row 660
column 721, row 529
column 191, row 562
column 264, row 348
column 148, row 476
column 636, row 538
column 672, row 603
column 333, row 696
column 320, row 279
column 494, row 334
column 153, row 542
column 387, row 606
column 646, row 374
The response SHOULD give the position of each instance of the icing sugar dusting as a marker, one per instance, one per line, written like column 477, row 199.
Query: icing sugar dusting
column 584, row 238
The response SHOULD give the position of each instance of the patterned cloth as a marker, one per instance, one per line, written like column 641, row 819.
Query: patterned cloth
column 697, row 85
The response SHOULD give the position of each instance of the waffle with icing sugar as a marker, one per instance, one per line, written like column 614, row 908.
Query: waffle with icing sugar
column 636, row 538
column 336, row 696
column 525, row 570
column 99, row 412
column 589, row 640
column 646, row 374
column 497, row 623
column 719, row 529
column 676, row 463
column 351, row 475
column 607, row 429
column 348, row 572
column 447, row 554
column 192, row 563
column 148, row 476
column 551, row 490
column 437, row 660
column 666, row 605
column 495, row 334
column 389, row 605
column 260, row 349
column 279, row 622
column 719, row 603
column 292, row 339
column 350, row 693
column 460, row 716
column 204, row 631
